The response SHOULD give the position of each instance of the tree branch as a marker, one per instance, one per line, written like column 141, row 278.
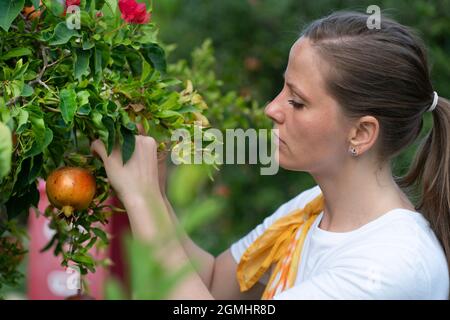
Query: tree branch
column 12, row 101
column 41, row 73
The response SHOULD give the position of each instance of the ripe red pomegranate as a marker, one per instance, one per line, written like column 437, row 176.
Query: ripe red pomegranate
column 70, row 188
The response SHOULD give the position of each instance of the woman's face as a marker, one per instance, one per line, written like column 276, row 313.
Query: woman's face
column 312, row 130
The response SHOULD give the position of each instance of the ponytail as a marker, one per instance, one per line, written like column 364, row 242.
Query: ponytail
column 430, row 174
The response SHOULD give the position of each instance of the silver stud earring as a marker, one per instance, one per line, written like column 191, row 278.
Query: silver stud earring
column 353, row 151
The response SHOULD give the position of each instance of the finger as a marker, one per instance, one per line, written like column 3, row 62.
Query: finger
column 149, row 143
column 98, row 148
column 141, row 129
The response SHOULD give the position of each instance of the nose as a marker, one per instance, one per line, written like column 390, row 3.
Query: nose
column 274, row 111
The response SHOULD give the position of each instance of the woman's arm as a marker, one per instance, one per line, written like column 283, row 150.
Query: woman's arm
column 202, row 260
column 171, row 253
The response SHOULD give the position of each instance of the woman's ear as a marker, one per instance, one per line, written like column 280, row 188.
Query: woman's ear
column 364, row 134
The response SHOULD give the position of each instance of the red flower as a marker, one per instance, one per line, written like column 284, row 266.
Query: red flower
column 71, row 3
column 133, row 12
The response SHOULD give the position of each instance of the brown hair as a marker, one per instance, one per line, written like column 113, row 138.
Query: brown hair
column 384, row 73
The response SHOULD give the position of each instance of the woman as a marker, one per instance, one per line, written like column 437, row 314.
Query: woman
column 353, row 98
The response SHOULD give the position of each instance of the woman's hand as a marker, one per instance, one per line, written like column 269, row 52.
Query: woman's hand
column 162, row 172
column 138, row 179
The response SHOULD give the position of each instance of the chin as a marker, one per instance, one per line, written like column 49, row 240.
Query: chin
column 288, row 164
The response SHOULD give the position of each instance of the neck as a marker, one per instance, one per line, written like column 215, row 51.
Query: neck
column 355, row 195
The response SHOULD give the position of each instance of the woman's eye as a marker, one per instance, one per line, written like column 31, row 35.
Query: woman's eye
column 296, row 104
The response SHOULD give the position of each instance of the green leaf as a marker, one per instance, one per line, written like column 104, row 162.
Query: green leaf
column 98, row 4
column 50, row 243
column 98, row 61
column 37, row 122
column 22, row 120
column 109, row 125
column 36, row 4
column 83, row 259
column 68, row 105
column 88, row 44
column 83, row 238
column 84, row 110
column 96, row 118
column 91, row 243
column 16, row 87
column 167, row 114
column 86, row 19
column 171, row 82
column 134, row 61
column 5, row 150
column 81, row 63
column 101, row 58
column 62, row 35
column 9, row 10
column 155, row 55
column 27, row 90
column 36, row 166
column 28, row 172
column 83, row 97
column 19, row 70
column 16, row 52
column 40, row 145
column 101, row 234
column 129, row 141
column 110, row 8
column 17, row 205
column 55, row 6
column 126, row 121
column 189, row 108
column 146, row 69
column 171, row 102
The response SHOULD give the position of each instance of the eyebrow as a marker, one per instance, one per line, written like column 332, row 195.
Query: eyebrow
column 295, row 88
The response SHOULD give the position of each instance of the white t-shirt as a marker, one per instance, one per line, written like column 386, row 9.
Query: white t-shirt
column 396, row 256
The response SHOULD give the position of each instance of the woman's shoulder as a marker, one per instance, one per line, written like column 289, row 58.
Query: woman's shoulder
column 401, row 227
column 401, row 245
column 398, row 230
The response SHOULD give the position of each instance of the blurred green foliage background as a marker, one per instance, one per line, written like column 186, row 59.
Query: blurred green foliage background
column 251, row 41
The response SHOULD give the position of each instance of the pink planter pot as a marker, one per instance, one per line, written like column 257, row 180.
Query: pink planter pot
column 47, row 279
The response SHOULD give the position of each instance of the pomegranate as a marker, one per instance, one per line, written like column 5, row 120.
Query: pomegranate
column 70, row 188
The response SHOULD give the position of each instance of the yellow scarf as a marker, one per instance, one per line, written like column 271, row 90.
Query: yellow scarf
column 282, row 242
